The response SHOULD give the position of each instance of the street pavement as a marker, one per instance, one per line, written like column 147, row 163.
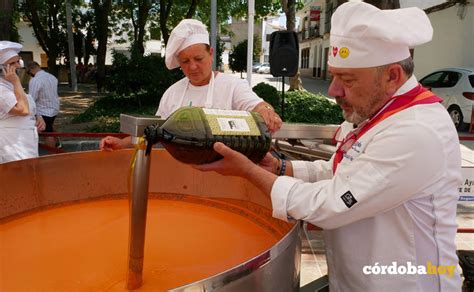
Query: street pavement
column 310, row 84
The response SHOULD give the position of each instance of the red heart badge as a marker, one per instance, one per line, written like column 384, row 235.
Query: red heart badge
column 334, row 51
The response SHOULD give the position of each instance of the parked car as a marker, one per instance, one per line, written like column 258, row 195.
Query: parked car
column 456, row 87
column 255, row 66
column 265, row 68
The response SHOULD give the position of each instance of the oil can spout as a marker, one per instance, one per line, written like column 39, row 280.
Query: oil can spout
column 135, row 126
column 152, row 134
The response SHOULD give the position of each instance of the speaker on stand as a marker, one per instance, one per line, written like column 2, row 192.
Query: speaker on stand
column 284, row 55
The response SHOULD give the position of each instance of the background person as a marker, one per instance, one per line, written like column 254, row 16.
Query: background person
column 389, row 193
column 18, row 125
column 43, row 87
column 188, row 48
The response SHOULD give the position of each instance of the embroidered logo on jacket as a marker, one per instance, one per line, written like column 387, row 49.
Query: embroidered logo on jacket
column 348, row 199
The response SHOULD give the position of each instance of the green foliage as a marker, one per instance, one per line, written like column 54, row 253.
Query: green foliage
column 305, row 107
column 145, row 78
column 136, row 84
column 269, row 94
column 301, row 106
column 106, row 111
column 238, row 57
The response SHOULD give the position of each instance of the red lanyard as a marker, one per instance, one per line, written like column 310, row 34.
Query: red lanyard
column 417, row 95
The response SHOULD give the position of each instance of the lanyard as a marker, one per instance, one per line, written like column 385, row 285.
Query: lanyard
column 210, row 92
column 416, row 96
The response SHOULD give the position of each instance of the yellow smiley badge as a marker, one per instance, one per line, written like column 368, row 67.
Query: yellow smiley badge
column 344, row 52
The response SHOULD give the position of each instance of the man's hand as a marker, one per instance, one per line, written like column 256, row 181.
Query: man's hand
column 40, row 124
column 269, row 163
column 233, row 163
column 237, row 164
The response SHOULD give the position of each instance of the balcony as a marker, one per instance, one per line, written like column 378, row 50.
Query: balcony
column 308, row 33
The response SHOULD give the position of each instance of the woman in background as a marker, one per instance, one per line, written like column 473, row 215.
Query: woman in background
column 18, row 125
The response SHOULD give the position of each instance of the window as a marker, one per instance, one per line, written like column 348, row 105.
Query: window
column 443, row 79
column 450, row 79
column 305, row 58
column 432, row 80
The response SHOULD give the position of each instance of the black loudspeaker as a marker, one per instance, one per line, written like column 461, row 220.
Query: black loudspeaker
column 284, row 53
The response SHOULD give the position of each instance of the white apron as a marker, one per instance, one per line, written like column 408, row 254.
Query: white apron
column 19, row 136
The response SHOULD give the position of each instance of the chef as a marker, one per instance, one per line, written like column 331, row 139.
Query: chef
column 18, row 124
column 387, row 198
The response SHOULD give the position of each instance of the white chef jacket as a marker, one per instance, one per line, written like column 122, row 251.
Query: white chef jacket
column 18, row 134
column 228, row 92
column 403, row 174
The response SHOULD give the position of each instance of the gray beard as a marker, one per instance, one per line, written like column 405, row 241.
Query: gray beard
column 354, row 118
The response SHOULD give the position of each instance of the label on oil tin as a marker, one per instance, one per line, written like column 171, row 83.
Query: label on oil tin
column 231, row 122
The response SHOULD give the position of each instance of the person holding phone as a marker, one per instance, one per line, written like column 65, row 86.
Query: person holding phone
column 18, row 125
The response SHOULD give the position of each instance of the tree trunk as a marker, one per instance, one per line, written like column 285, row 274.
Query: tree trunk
column 143, row 10
column 6, row 25
column 192, row 9
column 48, row 39
column 385, row 4
column 289, row 7
column 165, row 9
column 102, row 10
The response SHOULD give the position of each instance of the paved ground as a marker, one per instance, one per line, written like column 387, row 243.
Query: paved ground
column 72, row 104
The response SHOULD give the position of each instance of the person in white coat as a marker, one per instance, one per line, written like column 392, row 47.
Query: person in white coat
column 188, row 48
column 18, row 124
column 387, row 198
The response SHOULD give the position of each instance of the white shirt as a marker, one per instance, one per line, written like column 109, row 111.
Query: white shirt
column 18, row 134
column 44, row 90
column 229, row 92
column 404, row 174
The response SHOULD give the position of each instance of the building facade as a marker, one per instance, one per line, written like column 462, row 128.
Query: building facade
column 313, row 36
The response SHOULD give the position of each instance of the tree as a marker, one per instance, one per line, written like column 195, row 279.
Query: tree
column 7, row 27
column 137, row 14
column 85, row 35
column 102, row 12
column 384, row 4
column 238, row 57
column 289, row 7
column 43, row 16
column 172, row 12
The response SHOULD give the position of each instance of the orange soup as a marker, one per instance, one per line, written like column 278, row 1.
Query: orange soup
column 84, row 246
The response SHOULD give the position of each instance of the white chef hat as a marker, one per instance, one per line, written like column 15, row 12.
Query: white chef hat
column 364, row 36
column 8, row 50
column 188, row 32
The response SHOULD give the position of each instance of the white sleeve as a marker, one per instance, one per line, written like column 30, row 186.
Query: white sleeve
column 7, row 101
column 397, row 165
column 244, row 98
